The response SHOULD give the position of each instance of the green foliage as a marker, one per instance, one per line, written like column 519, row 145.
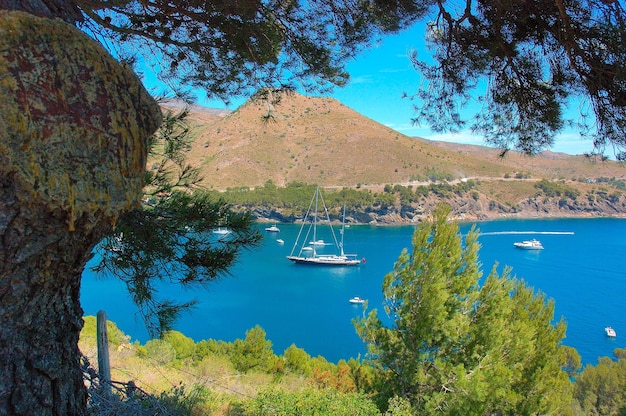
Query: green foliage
column 399, row 406
column 297, row 360
column 254, row 352
column 209, row 347
column 535, row 56
column 184, row 346
column 555, row 189
column 460, row 345
column 188, row 400
column 160, row 351
column 601, row 389
column 598, row 390
column 115, row 335
column 434, row 175
column 296, row 196
column 169, row 239
column 310, row 402
column 229, row 49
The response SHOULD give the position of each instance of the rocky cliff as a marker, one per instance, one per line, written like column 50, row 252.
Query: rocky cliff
column 475, row 207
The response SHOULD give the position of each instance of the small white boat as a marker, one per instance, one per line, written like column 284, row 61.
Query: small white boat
column 221, row 231
column 272, row 229
column 317, row 243
column 356, row 299
column 610, row 332
column 529, row 245
column 280, row 241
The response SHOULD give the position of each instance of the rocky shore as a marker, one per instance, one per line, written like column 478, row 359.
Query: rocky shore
column 474, row 209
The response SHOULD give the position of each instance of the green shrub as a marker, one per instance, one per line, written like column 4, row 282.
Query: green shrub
column 310, row 402
column 254, row 352
column 184, row 346
column 160, row 351
column 182, row 401
column 297, row 360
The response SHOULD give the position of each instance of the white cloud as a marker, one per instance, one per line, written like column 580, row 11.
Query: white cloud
column 361, row 79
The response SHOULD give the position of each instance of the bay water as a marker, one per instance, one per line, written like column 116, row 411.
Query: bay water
column 582, row 268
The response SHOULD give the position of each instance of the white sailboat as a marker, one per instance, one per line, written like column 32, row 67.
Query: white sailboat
column 308, row 254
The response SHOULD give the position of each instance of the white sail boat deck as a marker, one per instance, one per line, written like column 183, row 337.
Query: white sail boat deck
column 309, row 254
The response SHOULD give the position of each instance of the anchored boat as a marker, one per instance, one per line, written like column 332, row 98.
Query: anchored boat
column 529, row 245
column 310, row 254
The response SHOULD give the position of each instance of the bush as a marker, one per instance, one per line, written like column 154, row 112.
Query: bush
column 160, row 351
column 184, row 346
column 253, row 352
column 197, row 400
column 297, row 360
column 310, row 402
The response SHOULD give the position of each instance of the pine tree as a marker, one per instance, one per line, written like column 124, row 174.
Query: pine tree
column 460, row 345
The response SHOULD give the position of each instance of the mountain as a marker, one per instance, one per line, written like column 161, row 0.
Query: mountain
column 319, row 140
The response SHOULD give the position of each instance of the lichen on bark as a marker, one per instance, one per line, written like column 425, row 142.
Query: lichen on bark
column 74, row 121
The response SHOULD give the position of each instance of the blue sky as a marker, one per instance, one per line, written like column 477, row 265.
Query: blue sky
column 381, row 75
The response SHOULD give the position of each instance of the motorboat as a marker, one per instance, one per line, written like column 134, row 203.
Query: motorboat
column 357, row 300
column 272, row 229
column 221, row 231
column 610, row 332
column 529, row 245
column 280, row 241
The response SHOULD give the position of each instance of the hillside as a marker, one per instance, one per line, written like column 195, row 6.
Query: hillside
column 319, row 140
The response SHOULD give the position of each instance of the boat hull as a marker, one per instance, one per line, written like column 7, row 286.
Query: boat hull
column 529, row 248
column 324, row 261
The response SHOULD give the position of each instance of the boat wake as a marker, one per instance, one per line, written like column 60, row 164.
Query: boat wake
column 529, row 232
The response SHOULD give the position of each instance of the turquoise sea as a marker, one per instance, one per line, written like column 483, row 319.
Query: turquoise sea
column 583, row 268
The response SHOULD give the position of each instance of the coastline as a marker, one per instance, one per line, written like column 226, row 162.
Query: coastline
column 407, row 215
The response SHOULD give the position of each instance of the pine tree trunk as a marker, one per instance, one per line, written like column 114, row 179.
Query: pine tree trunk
column 73, row 130
column 40, row 312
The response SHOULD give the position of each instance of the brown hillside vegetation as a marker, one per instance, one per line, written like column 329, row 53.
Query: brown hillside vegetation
column 319, row 140
column 547, row 165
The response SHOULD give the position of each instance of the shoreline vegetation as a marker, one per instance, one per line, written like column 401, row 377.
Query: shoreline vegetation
column 213, row 377
column 472, row 199
column 176, row 375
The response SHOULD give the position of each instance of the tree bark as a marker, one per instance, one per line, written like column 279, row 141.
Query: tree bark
column 63, row 9
column 39, row 307
column 73, row 130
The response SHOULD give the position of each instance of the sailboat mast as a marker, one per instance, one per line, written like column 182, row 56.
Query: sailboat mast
column 317, row 192
column 343, row 227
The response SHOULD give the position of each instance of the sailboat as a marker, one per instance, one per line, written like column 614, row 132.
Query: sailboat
column 308, row 254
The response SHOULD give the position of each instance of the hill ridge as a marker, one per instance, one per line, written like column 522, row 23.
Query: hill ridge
column 320, row 140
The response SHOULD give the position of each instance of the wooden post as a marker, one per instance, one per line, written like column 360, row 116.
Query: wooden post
column 104, row 367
